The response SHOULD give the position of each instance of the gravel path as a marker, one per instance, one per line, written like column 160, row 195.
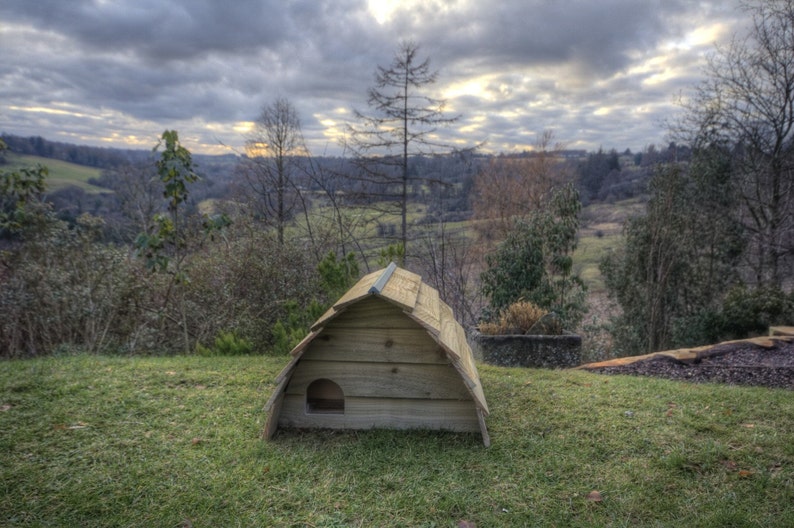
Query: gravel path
column 740, row 363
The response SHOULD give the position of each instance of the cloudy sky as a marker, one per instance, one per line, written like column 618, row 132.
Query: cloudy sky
column 119, row 72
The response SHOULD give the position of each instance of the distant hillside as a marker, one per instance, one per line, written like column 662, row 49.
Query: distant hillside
column 97, row 157
column 101, row 158
column 62, row 174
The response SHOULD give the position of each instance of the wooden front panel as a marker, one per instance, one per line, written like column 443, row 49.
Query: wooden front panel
column 382, row 380
column 372, row 312
column 368, row 413
column 390, row 345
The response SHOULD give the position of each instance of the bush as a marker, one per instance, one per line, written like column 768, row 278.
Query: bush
column 751, row 312
column 246, row 286
column 226, row 344
column 535, row 262
column 517, row 318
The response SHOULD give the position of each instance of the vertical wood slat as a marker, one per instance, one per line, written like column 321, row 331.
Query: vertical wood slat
column 402, row 289
column 453, row 339
column 273, row 415
column 427, row 309
column 486, row 438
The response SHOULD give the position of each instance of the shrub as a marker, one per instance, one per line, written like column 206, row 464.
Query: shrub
column 227, row 344
column 535, row 262
column 517, row 318
column 751, row 312
column 62, row 289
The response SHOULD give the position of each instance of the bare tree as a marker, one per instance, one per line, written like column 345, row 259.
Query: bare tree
column 274, row 150
column 402, row 123
column 509, row 189
column 746, row 105
column 139, row 194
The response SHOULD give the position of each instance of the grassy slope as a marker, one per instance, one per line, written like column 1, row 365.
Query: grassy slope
column 601, row 232
column 62, row 174
column 97, row 441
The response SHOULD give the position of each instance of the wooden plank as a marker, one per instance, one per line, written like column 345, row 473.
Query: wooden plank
column 368, row 413
column 402, row 288
column 472, row 382
column 373, row 312
column 453, row 339
column 390, row 345
column 273, row 415
column 324, row 318
column 304, row 343
column 448, row 337
column 358, row 291
column 286, row 372
column 427, row 310
column 486, row 438
column 383, row 380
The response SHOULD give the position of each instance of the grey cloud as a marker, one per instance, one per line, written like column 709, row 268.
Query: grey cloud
column 160, row 62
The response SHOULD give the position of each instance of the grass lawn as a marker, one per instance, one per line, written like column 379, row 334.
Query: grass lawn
column 110, row 441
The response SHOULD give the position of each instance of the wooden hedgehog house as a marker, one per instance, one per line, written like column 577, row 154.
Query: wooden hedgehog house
column 389, row 354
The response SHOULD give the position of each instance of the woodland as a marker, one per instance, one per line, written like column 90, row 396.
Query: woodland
column 169, row 252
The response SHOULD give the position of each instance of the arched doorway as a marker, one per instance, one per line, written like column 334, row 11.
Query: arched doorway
column 323, row 396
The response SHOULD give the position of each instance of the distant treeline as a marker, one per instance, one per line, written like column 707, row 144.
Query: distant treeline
column 601, row 175
column 101, row 158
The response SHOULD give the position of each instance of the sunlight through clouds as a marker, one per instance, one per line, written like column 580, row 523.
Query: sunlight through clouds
column 112, row 72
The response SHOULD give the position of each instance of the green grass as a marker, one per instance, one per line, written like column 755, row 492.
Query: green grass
column 62, row 174
column 109, row 441
column 601, row 233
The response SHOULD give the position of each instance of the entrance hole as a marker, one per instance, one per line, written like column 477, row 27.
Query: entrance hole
column 323, row 396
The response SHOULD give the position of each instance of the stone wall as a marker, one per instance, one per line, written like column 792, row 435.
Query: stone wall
column 537, row 351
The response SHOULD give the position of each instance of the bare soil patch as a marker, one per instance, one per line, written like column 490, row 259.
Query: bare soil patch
column 738, row 363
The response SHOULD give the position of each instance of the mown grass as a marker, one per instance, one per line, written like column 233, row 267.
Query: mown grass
column 110, row 441
column 62, row 174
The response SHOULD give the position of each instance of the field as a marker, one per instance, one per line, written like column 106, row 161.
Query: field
column 600, row 233
column 111, row 441
column 62, row 174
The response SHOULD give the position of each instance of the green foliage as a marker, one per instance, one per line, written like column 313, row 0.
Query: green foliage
column 337, row 275
column 152, row 246
column 21, row 201
column 534, row 263
column 678, row 260
column 226, row 344
column 175, row 168
column 290, row 330
column 751, row 312
column 392, row 253
column 515, row 269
